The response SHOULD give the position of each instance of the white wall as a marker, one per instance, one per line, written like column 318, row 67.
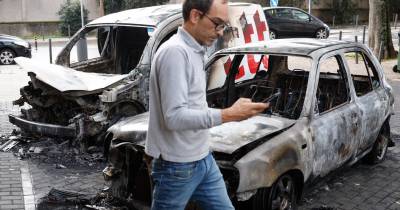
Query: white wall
column 38, row 10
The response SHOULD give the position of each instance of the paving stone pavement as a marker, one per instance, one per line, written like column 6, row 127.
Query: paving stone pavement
column 11, row 193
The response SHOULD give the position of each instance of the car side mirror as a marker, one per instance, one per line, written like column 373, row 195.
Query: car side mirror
column 309, row 19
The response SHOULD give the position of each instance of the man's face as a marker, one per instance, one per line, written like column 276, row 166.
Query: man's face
column 210, row 25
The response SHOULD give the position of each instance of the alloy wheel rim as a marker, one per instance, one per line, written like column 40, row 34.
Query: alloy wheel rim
column 272, row 35
column 382, row 145
column 6, row 57
column 284, row 194
column 321, row 34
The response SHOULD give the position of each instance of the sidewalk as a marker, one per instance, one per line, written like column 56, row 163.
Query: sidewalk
column 14, row 185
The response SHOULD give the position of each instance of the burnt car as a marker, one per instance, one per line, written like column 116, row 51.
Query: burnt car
column 81, row 99
column 12, row 47
column 292, row 22
column 330, row 107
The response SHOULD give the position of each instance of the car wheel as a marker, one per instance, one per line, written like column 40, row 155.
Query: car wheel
column 272, row 35
column 7, row 56
column 321, row 34
column 379, row 150
column 281, row 196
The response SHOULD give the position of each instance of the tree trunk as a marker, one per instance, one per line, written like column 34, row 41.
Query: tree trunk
column 379, row 28
column 101, row 7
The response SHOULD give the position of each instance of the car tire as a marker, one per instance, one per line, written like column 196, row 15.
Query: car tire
column 321, row 33
column 379, row 150
column 282, row 195
column 272, row 35
column 7, row 56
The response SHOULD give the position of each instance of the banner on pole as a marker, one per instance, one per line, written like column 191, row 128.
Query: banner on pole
column 273, row 3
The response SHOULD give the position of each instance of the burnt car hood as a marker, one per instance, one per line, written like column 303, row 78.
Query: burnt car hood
column 225, row 138
column 66, row 79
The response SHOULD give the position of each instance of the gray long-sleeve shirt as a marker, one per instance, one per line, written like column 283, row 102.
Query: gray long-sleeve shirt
column 179, row 114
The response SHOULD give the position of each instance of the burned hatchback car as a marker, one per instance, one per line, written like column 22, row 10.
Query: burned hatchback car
column 330, row 107
column 81, row 99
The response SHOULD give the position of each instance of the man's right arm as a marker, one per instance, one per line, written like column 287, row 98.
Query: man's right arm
column 242, row 109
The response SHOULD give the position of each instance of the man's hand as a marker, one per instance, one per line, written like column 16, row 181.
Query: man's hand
column 242, row 109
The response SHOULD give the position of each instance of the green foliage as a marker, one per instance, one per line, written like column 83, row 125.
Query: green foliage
column 70, row 14
column 111, row 6
column 343, row 11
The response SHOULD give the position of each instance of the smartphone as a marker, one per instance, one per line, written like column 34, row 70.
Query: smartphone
column 272, row 97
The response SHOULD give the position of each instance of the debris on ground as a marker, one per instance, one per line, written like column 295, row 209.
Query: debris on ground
column 55, row 151
column 58, row 199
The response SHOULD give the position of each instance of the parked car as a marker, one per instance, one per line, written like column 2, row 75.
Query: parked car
column 330, row 107
column 82, row 99
column 12, row 47
column 291, row 22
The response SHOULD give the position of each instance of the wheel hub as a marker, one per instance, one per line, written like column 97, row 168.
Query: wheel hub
column 6, row 57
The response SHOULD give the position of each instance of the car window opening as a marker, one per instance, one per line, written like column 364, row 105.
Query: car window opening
column 280, row 79
column 117, row 50
column 333, row 89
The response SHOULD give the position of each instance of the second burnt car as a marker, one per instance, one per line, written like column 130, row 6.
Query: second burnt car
column 80, row 99
column 330, row 107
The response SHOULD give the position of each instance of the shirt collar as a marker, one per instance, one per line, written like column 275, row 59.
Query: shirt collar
column 189, row 40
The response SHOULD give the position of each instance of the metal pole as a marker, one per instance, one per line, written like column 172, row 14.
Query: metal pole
column 333, row 22
column 356, row 22
column 398, row 55
column 82, row 44
column 309, row 7
column 364, row 30
column 50, row 52
column 35, row 43
column 356, row 40
column 395, row 21
column 380, row 52
column 340, row 35
column 69, row 30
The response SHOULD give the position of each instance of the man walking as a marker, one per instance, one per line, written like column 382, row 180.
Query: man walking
column 183, row 168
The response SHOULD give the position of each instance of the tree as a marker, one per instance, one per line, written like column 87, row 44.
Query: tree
column 112, row 6
column 379, row 28
column 70, row 15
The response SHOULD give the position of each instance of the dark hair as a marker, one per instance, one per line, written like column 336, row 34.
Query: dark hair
column 201, row 5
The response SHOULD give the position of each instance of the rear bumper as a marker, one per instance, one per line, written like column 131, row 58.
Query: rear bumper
column 43, row 129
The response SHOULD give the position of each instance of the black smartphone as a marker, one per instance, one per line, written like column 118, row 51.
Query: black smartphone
column 272, row 97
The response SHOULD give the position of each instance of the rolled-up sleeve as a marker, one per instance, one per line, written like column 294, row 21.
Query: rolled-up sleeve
column 173, row 77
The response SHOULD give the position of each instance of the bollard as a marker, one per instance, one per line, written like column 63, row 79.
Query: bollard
column 395, row 21
column 398, row 55
column 69, row 30
column 356, row 40
column 340, row 35
column 333, row 22
column 50, row 52
column 364, row 30
column 35, row 43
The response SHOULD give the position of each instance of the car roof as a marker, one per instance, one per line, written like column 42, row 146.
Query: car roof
column 268, row 8
column 296, row 46
column 147, row 16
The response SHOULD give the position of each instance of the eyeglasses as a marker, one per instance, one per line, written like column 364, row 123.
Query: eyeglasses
column 218, row 26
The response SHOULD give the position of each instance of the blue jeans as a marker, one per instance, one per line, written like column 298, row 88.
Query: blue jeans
column 177, row 183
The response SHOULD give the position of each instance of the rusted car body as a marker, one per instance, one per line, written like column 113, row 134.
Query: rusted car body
column 330, row 107
column 81, row 99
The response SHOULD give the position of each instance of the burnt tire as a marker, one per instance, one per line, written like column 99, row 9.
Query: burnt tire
column 379, row 150
column 281, row 196
column 7, row 56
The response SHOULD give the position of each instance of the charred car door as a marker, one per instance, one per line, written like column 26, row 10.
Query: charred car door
column 370, row 96
column 335, row 125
